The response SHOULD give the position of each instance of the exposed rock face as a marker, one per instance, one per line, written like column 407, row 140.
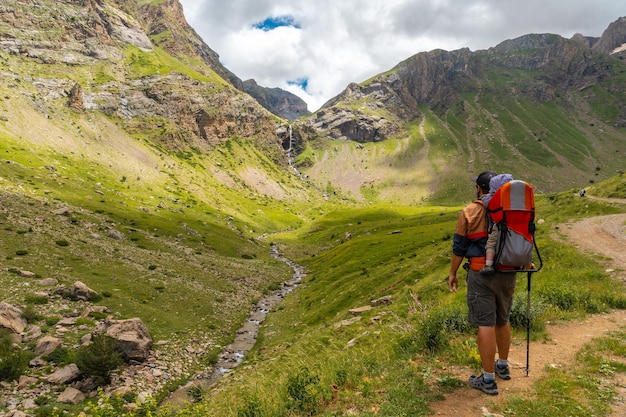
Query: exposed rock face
column 437, row 78
column 280, row 102
column 102, row 34
column 614, row 38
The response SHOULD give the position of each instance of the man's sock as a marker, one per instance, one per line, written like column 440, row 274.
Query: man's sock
column 489, row 376
column 502, row 363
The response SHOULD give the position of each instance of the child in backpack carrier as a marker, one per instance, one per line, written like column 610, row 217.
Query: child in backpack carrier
column 494, row 184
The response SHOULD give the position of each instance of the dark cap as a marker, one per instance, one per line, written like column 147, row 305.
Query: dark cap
column 482, row 180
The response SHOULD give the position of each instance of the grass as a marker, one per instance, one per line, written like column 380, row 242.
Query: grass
column 404, row 254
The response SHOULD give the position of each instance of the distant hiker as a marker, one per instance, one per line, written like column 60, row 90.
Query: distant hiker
column 489, row 298
column 582, row 192
column 494, row 185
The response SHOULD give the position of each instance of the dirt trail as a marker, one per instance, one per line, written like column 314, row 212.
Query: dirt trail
column 604, row 236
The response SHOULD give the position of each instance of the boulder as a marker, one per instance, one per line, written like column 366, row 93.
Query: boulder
column 132, row 335
column 12, row 318
column 33, row 333
column 80, row 291
column 71, row 396
column 64, row 375
column 46, row 345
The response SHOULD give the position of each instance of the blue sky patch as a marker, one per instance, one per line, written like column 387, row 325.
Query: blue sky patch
column 274, row 22
column 303, row 83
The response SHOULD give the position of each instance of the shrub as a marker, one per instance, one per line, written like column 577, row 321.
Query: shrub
column 61, row 356
column 31, row 315
column 13, row 361
column 251, row 407
column 99, row 358
column 519, row 312
column 303, row 391
column 36, row 299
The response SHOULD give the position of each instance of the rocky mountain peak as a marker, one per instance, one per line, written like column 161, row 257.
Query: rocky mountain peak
column 613, row 39
column 278, row 101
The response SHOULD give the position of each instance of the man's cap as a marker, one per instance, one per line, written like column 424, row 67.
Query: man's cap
column 482, row 180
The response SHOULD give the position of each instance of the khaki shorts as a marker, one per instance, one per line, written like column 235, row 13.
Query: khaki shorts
column 490, row 298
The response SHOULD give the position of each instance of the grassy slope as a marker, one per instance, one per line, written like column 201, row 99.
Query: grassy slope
column 191, row 221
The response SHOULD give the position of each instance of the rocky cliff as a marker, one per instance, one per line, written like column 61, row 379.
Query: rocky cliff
column 278, row 101
column 139, row 63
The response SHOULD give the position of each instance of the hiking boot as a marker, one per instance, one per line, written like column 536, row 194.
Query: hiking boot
column 502, row 371
column 478, row 382
column 487, row 270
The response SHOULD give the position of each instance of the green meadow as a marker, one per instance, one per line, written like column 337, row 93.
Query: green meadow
column 316, row 357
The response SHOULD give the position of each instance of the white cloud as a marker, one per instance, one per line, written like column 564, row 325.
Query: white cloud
column 345, row 41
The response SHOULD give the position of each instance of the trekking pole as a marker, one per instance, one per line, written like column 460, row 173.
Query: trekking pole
column 528, row 327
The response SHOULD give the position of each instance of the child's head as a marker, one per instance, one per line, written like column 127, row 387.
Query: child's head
column 498, row 181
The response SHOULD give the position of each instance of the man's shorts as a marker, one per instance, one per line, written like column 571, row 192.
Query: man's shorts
column 490, row 297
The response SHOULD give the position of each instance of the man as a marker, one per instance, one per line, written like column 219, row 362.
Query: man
column 489, row 297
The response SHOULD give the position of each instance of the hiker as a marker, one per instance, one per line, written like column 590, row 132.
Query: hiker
column 582, row 192
column 490, row 248
column 489, row 297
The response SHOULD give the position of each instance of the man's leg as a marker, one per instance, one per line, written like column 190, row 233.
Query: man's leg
column 486, row 342
column 503, row 340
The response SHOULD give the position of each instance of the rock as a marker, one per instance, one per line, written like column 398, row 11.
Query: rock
column 359, row 310
column 12, row 318
column 46, row 345
column 71, row 396
column 75, row 98
column 48, row 282
column 64, row 375
column 26, row 274
column 64, row 211
column 16, row 413
column 94, row 309
column 132, row 335
column 25, row 381
column 33, row 333
column 80, row 291
column 86, row 339
column 115, row 234
column 382, row 301
column 347, row 322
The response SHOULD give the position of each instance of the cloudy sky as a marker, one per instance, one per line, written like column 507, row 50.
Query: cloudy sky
column 314, row 48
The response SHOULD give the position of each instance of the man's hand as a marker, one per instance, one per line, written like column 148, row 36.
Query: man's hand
column 453, row 282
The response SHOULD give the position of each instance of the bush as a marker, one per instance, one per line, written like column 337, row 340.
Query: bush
column 61, row 356
column 303, row 391
column 13, row 361
column 251, row 407
column 99, row 358
column 519, row 312
column 36, row 299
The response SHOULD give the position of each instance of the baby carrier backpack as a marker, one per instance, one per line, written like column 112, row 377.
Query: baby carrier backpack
column 512, row 210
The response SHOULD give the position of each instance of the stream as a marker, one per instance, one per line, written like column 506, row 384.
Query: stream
column 245, row 338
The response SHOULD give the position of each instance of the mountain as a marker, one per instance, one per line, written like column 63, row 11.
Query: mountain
column 134, row 163
column 278, row 101
column 543, row 107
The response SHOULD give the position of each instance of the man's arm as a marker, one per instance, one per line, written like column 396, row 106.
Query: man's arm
column 453, row 280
